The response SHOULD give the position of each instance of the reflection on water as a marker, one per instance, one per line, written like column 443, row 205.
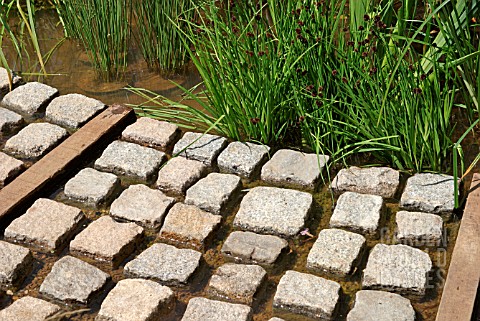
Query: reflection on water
column 72, row 71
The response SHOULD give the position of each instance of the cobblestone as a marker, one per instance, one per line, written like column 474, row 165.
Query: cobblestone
column 419, row 229
column 141, row 204
column 107, row 240
column 9, row 120
column 72, row 280
column 137, row 300
column 249, row 247
column 15, row 263
column 380, row 305
column 189, row 225
column 382, row 181
column 29, row 309
column 92, row 187
column 243, row 159
column 164, row 263
column 29, row 98
column 201, row 309
column 132, row 160
column 397, row 268
column 358, row 212
column 151, row 132
column 73, row 110
column 271, row 210
column 294, row 169
column 201, row 147
column 307, row 295
column 179, row 174
column 35, row 140
column 5, row 81
column 46, row 224
column 9, row 168
column 335, row 251
column 213, row 192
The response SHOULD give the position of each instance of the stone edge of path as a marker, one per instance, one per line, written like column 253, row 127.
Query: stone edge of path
column 23, row 190
column 460, row 290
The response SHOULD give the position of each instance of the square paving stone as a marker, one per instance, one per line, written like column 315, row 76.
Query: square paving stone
column 46, row 224
column 29, row 309
column 132, row 160
column 237, row 282
column 29, row 98
column 141, row 204
column 271, row 210
column 73, row 110
column 9, row 120
column 201, row 309
column 213, row 192
column 307, row 295
column 201, row 147
column 382, row 181
column 189, row 225
column 335, row 251
column 151, row 132
column 249, row 247
column 397, row 268
column 431, row 193
column 91, row 187
column 164, row 263
column 276, row 319
column 358, row 212
column 243, row 159
column 35, row 140
column 294, row 169
column 5, row 81
column 179, row 174
column 73, row 280
column 137, row 300
column 107, row 240
column 419, row 229
column 9, row 168
column 15, row 263
column 380, row 305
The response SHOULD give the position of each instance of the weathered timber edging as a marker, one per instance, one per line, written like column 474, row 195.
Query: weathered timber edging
column 460, row 289
column 22, row 191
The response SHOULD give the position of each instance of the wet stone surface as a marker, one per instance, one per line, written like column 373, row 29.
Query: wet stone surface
column 72, row 110
column 213, row 192
column 46, row 224
column 419, row 229
column 179, row 174
column 189, row 225
column 35, row 140
column 307, row 295
column 250, row 247
column 136, row 300
column 382, row 181
column 164, row 263
column 132, row 160
column 29, row 98
column 15, row 263
column 358, row 212
column 201, row 147
column 141, row 204
column 29, row 309
column 294, row 169
column 243, row 159
column 151, row 132
column 379, row 305
column 9, row 168
column 107, row 240
column 397, row 268
column 271, row 210
column 201, row 309
column 91, row 187
column 73, row 280
column 5, row 81
column 236, row 282
column 335, row 251
column 431, row 193
column 9, row 120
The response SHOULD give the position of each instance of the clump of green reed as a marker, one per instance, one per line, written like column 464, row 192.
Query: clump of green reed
column 103, row 27
column 159, row 39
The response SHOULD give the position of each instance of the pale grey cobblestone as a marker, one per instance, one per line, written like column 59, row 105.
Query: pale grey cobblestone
column 201, row 309
column 201, row 147
column 151, row 132
column 29, row 98
column 29, row 309
column 15, row 263
column 243, row 159
column 9, row 168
